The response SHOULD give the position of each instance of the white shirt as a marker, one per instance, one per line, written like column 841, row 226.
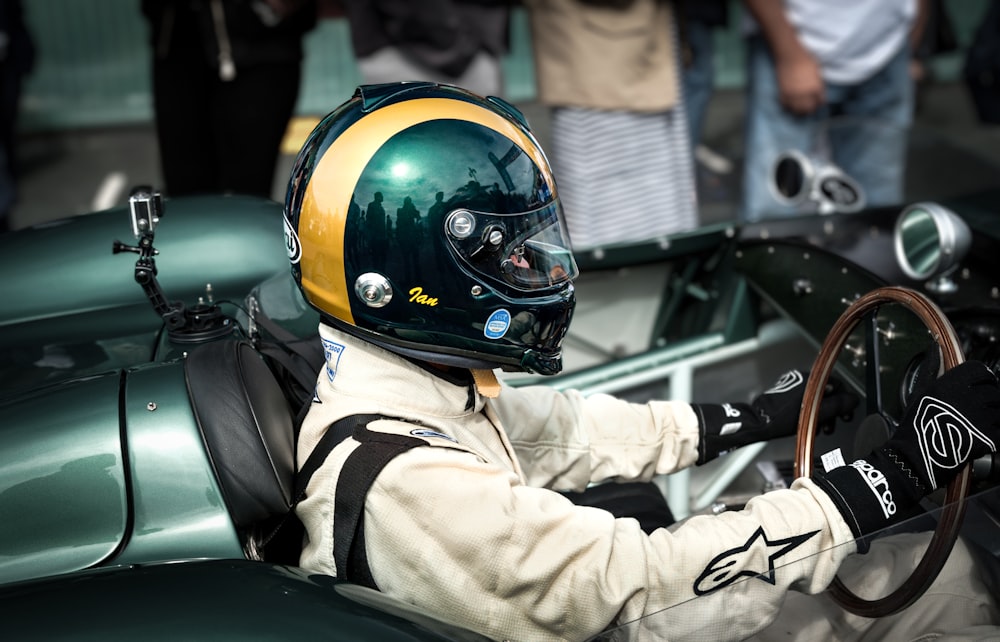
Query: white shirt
column 851, row 39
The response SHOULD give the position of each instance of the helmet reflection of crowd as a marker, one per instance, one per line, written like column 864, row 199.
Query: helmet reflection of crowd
column 375, row 228
column 408, row 237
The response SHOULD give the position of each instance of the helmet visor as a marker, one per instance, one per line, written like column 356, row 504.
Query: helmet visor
column 526, row 250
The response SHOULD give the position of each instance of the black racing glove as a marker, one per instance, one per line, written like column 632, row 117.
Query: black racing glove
column 955, row 420
column 775, row 413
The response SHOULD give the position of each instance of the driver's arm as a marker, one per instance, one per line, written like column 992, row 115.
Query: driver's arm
column 469, row 542
column 565, row 440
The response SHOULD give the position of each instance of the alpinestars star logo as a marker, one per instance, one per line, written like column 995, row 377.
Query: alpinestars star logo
column 945, row 436
column 731, row 565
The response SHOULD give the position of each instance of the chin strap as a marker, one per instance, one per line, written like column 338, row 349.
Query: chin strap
column 486, row 383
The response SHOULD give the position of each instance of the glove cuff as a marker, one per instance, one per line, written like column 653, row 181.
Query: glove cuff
column 723, row 428
column 874, row 492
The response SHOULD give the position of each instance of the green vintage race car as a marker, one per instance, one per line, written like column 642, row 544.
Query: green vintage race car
column 147, row 417
column 147, row 444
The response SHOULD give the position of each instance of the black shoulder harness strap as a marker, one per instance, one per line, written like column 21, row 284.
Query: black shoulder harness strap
column 360, row 470
column 295, row 361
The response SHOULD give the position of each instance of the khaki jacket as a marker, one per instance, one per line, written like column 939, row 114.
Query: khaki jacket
column 465, row 529
column 597, row 56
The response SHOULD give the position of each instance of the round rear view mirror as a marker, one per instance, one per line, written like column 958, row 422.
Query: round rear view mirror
column 930, row 241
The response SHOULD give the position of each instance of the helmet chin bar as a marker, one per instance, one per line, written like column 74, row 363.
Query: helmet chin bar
column 541, row 363
column 440, row 358
column 201, row 322
column 533, row 361
column 415, row 351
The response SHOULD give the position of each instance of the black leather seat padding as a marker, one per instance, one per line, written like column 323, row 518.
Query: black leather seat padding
column 248, row 428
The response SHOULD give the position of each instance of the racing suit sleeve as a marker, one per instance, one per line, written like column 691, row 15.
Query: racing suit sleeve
column 468, row 542
column 566, row 441
column 632, row 442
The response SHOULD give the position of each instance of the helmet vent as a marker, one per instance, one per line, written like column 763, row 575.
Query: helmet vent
column 461, row 223
column 373, row 289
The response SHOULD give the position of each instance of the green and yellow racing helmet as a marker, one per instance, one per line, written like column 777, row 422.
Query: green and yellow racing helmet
column 423, row 218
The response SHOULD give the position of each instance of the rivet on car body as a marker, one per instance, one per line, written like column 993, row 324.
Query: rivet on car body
column 802, row 287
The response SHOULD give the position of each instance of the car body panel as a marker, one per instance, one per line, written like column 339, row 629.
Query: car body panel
column 72, row 306
column 89, row 489
column 178, row 510
column 214, row 600
column 62, row 486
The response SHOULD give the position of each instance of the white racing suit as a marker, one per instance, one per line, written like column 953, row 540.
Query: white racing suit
column 467, row 529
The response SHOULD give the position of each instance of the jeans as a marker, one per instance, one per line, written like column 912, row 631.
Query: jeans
column 862, row 129
column 699, row 77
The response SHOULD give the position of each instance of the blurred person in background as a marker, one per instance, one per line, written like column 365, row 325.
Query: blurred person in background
column 457, row 42
column 833, row 77
column 222, row 68
column 610, row 72
column 700, row 20
column 981, row 67
column 17, row 58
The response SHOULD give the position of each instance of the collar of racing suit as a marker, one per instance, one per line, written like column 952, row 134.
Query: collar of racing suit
column 448, row 390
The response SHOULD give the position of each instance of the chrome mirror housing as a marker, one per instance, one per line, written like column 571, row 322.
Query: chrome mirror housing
column 929, row 242
column 797, row 180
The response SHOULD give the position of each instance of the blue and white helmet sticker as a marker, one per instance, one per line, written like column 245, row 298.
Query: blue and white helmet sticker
column 427, row 432
column 292, row 245
column 497, row 325
column 332, row 352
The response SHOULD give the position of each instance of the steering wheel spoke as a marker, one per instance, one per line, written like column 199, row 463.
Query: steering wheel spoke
column 873, row 364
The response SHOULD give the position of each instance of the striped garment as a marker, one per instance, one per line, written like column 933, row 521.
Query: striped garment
column 623, row 177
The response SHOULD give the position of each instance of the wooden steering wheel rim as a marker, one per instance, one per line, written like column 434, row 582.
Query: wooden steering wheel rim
column 953, row 511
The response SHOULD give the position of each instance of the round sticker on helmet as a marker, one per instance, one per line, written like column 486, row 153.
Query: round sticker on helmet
column 497, row 324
